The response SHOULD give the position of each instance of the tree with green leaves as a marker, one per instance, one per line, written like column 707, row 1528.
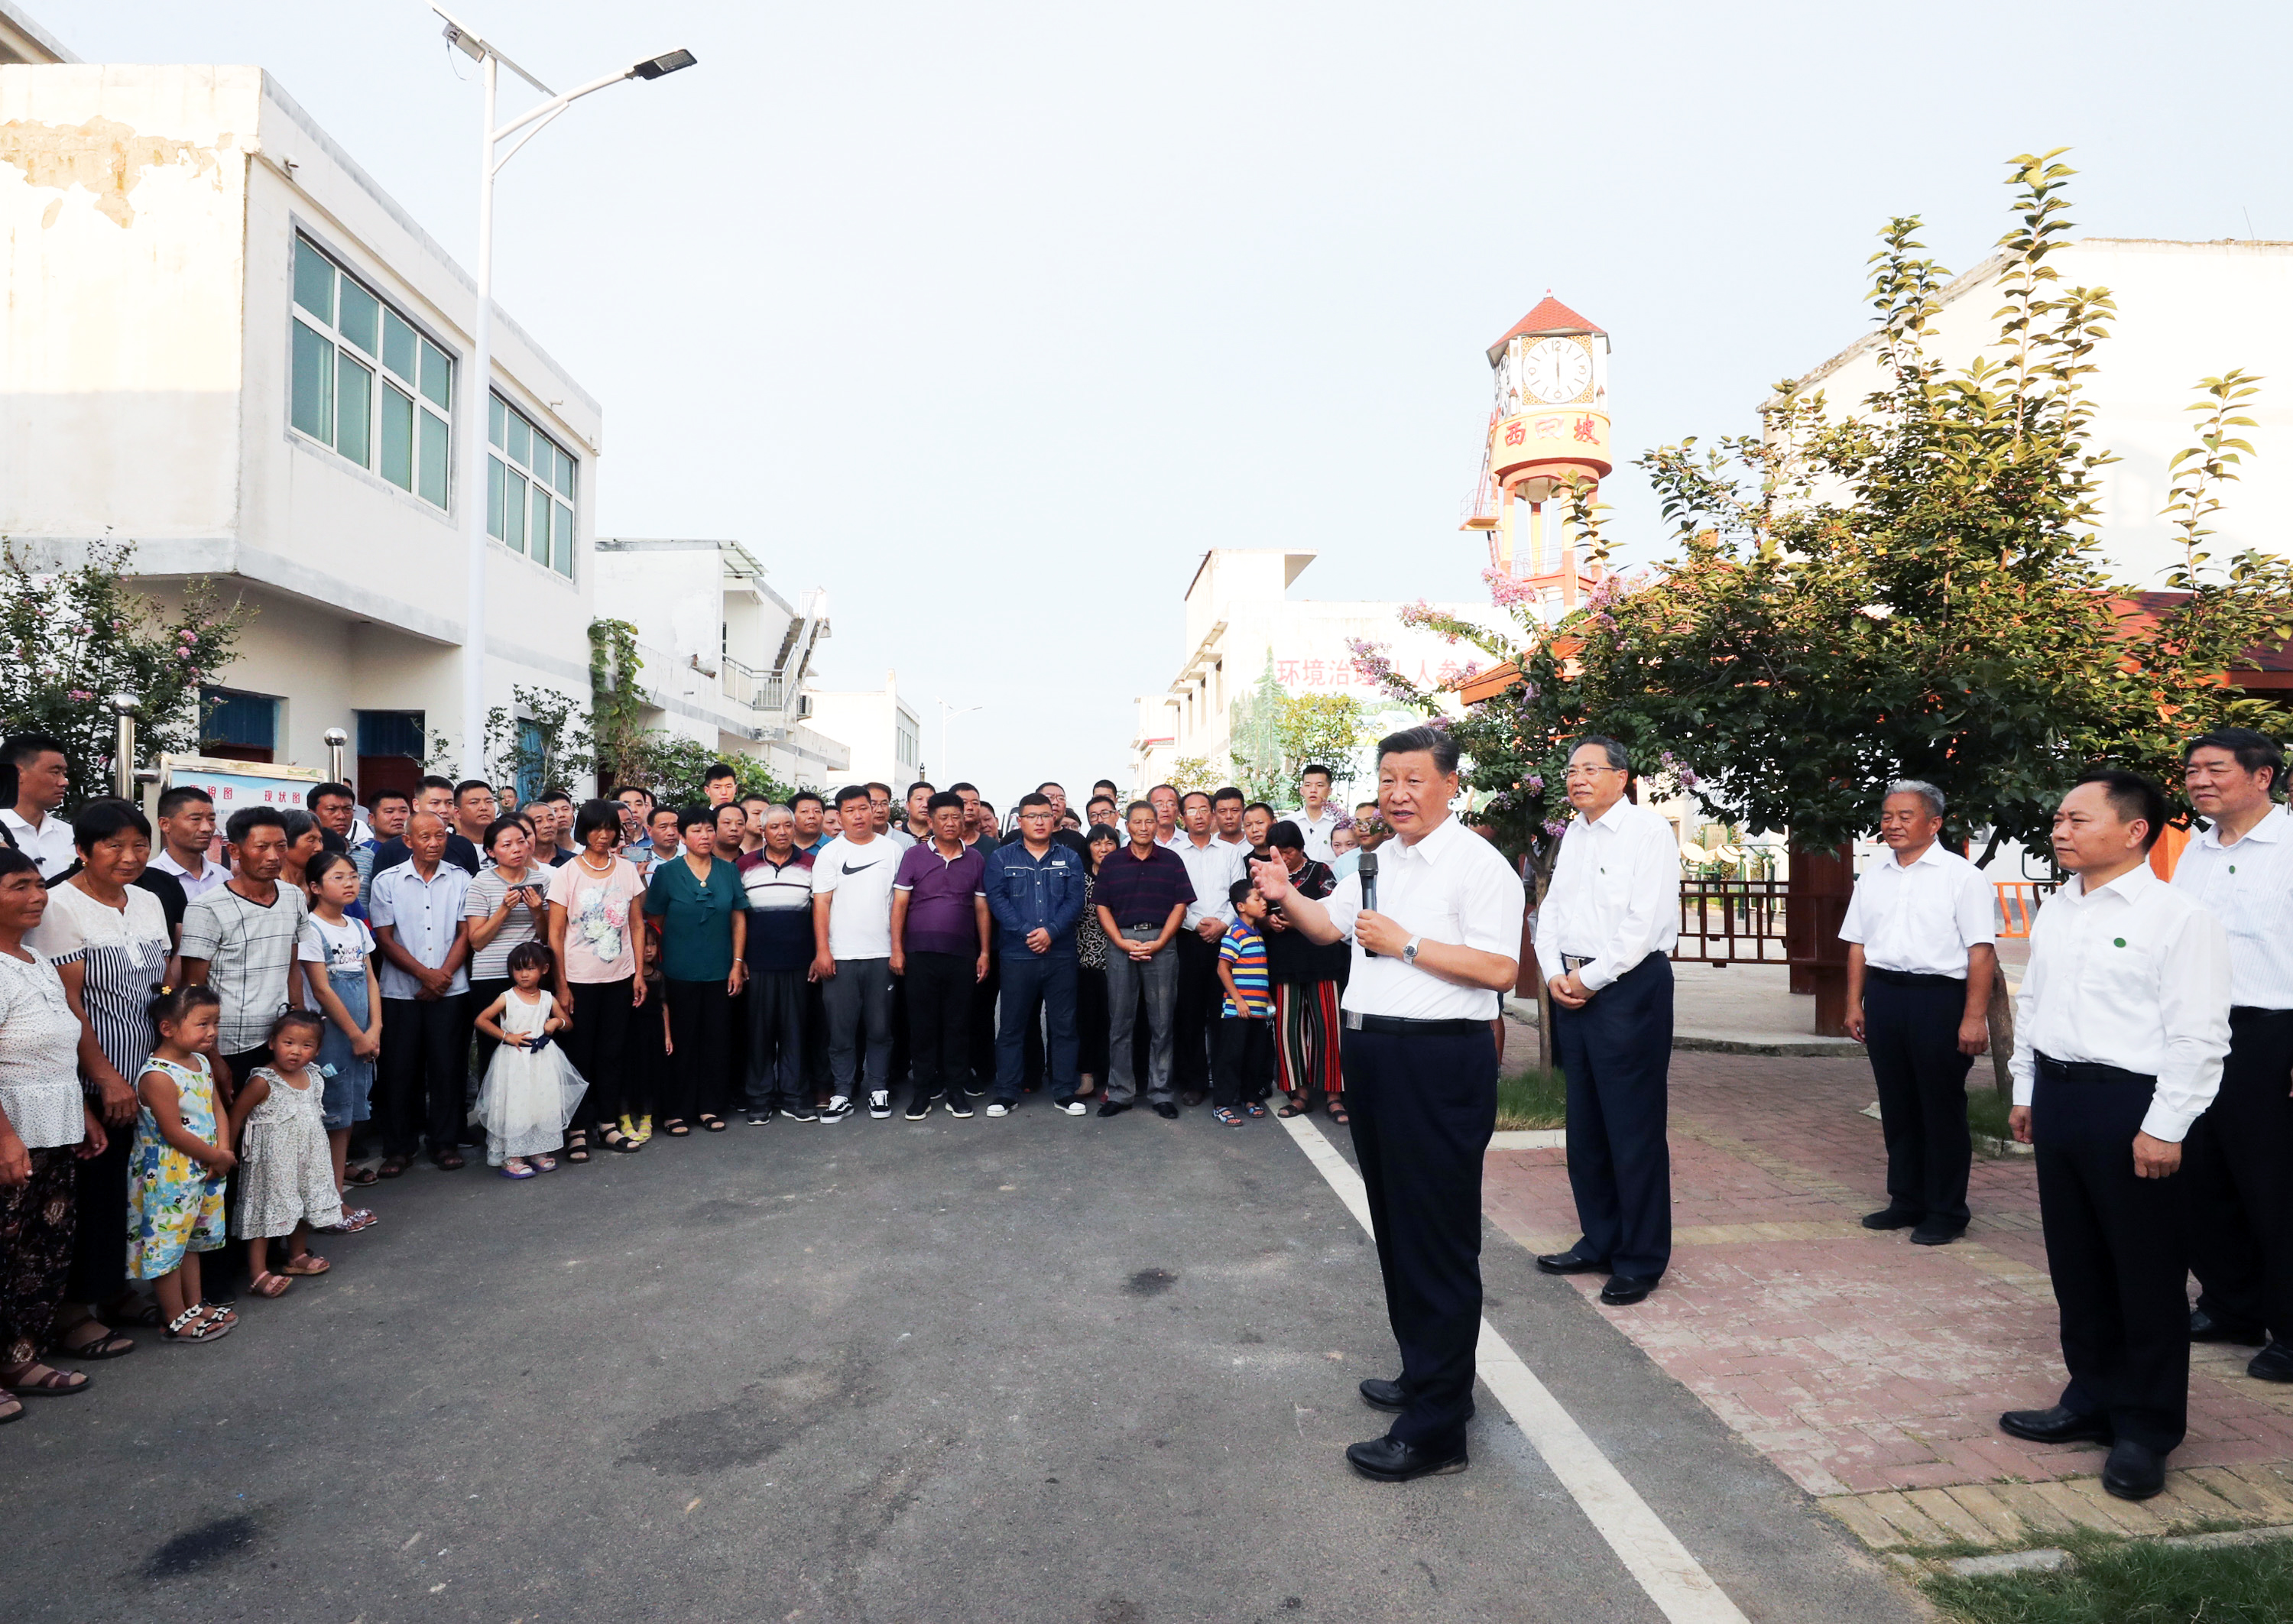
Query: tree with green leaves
column 79, row 633
column 542, row 738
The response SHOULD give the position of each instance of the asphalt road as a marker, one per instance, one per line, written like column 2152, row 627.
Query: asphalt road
column 1037, row 1368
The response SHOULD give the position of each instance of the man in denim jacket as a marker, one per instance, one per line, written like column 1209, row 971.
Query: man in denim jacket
column 1034, row 889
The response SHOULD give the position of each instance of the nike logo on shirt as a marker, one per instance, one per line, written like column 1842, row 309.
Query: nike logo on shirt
column 863, row 868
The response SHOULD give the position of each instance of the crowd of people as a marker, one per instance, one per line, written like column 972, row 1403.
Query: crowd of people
column 216, row 1033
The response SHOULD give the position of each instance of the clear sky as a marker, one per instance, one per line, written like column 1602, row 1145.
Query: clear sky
column 992, row 318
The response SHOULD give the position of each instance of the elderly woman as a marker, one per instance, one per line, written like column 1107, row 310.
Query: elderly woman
column 45, row 1126
column 703, row 911
column 108, row 940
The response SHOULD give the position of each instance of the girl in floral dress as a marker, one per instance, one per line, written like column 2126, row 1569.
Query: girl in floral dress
column 176, row 1171
column 286, row 1168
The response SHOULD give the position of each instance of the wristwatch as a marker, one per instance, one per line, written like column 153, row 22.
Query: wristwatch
column 1409, row 953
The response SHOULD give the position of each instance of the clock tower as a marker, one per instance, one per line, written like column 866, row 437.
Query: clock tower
column 1548, row 429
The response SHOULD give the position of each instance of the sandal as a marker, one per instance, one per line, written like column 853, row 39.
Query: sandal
column 1228, row 1115
column 627, row 1143
column 676, row 1127
column 542, row 1164
column 576, row 1145
column 520, row 1171
column 448, row 1161
column 355, row 1220
column 304, row 1266
column 715, row 1125
column 110, row 1345
column 1296, row 1106
column 392, row 1166
column 1252, row 1108
column 267, row 1284
column 1337, row 1108
column 361, row 1176
column 10, row 1409
column 196, row 1324
column 55, row 1384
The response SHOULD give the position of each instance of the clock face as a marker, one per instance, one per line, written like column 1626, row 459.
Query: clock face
column 1556, row 370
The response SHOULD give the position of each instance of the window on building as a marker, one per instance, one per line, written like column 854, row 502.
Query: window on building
column 363, row 382
column 531, row 744
column 237, row 726
column 529, row 489
column 390, row 749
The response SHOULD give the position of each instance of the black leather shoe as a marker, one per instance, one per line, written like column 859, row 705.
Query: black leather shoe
column 2134, row 1471
column 1380, row 1393
column 1623, row 1290
column 2273, row 1363
column 2205, row 1328
column 1889, row 1218
column 1937, row 1234
column 1192, row 1097
column 1112, row 1108
column 1166, row 1110
column 2056, row 1425
column 1392, row 1461
column 1571, row 1262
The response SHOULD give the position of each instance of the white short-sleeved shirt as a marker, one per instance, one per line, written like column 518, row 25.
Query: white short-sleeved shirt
column 427, row 915
column 860, row 877
column 1922, row 918
column 39, row 1054
column 343, row 947
column 2248, row 887
column 1317, row 832
column 50, row 845
column 1451, row 886
column 1213, row 869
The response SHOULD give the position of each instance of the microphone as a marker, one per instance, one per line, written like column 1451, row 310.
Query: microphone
column 1367, row 869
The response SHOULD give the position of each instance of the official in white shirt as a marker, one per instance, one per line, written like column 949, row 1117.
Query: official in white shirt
column 1213, row 865
column 2237, row 1164
column 2119, row 1030
column 1921, row 935
column 1604, row 932
column 43, row 778
column 1431, row 960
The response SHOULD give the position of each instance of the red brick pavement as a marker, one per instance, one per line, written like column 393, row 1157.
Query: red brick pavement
column 1855, row 1360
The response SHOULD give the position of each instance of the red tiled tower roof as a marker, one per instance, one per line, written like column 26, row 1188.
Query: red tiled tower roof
column 1550, row 316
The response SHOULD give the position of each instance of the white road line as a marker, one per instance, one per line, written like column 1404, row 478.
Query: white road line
column 1674, row 1580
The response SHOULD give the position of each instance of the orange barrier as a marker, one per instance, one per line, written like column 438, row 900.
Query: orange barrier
column 2018, row 905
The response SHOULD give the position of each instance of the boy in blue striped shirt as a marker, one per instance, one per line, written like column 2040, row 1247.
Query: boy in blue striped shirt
column 1244, row 1076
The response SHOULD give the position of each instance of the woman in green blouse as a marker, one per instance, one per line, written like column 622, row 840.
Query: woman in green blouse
column 704, row 924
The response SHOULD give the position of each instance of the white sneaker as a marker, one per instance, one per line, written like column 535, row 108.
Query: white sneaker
column 880, row 1104
column 1073, row 1108
column 838, row 1107
column 998, row 1109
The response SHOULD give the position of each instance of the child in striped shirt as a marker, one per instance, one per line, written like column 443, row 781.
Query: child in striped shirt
column 1244, row 1076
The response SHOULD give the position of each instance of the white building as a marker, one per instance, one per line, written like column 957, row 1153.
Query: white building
column 1239, row 615
column 221, row 342
column 2185, row 310
column 726, row 657
column 886, row 736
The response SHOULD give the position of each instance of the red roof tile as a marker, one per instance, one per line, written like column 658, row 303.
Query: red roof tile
column 1550, row 316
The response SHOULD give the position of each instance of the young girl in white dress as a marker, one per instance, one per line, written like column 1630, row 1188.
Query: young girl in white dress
column 286, row 1166
column 531, row 1091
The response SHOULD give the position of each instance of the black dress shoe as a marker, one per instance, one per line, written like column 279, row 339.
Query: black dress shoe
column 1937, row 1234
column 1889, row 1218
column 1571, row 1262
column 2205, row 1328
column 2134, row 1471
column 1166, row 1110
column 1380, row 1393
column 1112, row 1108
column 1392, row 1461
column 2273, row 1363
column 1192, row 1097
column 2056, row 1425
column 1623, row 1290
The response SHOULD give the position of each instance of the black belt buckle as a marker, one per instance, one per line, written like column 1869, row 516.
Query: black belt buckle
column 1570, row 962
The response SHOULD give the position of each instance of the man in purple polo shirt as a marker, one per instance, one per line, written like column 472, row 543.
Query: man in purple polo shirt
column 1142, row 894
column 939, row 946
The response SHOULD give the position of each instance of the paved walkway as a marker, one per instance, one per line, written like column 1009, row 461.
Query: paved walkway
column 1870, row 1371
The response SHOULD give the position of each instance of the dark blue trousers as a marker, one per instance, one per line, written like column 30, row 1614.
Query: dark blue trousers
column 1031, row 981
column 2233, row 1180
column 1616, row 1053
column 2114, row 1247
column 1422, row 1110
column 1911, row 1033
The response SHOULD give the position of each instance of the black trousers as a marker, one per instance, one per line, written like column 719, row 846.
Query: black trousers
column 1196, row 1014
column 815, row 1042
column 99, row 1256
column 775, row 1070
column 1091, row 1021
column 939, row 988
column 2114, row 1247
column 1245, row 1061
column 699, row 1080
column 596, row 1045
column 1423, row 1108
column 424, row 1073
column 1912, row 1035
column 903, row 1054
column 983, row 1026
column 2236, row 1181
column 1616, row 1053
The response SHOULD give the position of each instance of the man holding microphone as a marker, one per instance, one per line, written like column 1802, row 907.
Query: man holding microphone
column 1436, row 931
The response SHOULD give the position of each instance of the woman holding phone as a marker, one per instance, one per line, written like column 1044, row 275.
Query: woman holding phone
column 508, row 906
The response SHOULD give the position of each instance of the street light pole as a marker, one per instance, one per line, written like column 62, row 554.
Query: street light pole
column 947, row 713
column 479, row 378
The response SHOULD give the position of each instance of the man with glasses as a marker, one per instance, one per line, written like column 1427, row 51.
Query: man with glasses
column 1603, row 935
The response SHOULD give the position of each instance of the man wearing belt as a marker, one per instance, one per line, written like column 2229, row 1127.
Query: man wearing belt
column 1142, row 896
column 1430, row 962
column 1213, row 867
column 2239, row 1156
column 2119, row 1030
column 1603, row 932
column 1921, row 951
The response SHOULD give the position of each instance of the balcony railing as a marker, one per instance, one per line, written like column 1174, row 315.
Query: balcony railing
column 766, row 690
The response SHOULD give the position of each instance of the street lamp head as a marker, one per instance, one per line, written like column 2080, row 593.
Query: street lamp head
column 336, row 737
column 125, row 704
column 468, row 43
column 657, row 66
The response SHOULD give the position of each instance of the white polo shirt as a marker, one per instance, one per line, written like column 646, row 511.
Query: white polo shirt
column 1921, row 917
column 2248, row 887
column 1451, row 886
